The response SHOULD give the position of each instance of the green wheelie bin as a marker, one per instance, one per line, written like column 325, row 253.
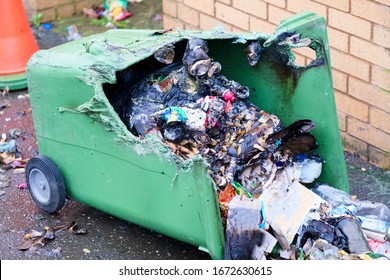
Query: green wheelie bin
column 88, row 154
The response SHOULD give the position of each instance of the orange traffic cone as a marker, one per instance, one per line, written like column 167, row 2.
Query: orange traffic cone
column 17, row 44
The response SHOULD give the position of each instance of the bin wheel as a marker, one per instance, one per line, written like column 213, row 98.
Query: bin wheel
column 45, row 183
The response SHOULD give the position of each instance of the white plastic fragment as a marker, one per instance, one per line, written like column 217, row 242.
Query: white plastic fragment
column 267, row 244
column 195, row 119
column 285, row 254
column 310, row 170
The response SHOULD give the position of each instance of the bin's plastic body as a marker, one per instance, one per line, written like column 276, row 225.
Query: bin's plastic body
column 108, row 168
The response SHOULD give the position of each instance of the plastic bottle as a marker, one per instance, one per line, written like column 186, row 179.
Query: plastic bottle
column 375, row 225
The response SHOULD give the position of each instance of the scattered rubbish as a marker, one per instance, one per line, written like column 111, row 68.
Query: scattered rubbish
column 322, row 250
column 357, row 242
column 32, row 234
column 316, row 229
column 5, row 91
column 22, row 186
column 337, row 198
column 10, row 156
column 32, row 244
column 110, row 13
column 7, row 158
column 73, row 33
column 380, row 248
column 34, row 239
column 87, row 251
column 157, row 17
column 2, row 192
column 18, row 163
column 349, row 224
column 8, row 147
column 259, row 165
column 374, row 228
column 95, row 12
column 46, row 26
column 117, row 9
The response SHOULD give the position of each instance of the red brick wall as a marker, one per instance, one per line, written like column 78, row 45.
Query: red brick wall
column 55, row 9
column 359, row 39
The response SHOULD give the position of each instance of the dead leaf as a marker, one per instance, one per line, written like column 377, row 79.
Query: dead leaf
column 49, row 234
column 195, row 150
column 32, row 244
column 25, row 244
column 254, row 157
column 185, row 150
column 38, row 243
column 72, row 229
column 22, row 186
column 59, row 228
column 241, row 133
column 248, row 125
column 257, row 146
column 172, row 146
column 238, row 149
column 213, row 142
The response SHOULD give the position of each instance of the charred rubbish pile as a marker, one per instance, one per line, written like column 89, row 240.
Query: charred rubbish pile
column 259, row 164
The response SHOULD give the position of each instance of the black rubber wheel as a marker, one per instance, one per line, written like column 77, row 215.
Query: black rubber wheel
column 45, row 183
